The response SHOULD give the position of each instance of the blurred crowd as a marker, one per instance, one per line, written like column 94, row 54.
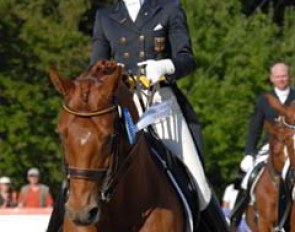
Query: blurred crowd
column 34, row 194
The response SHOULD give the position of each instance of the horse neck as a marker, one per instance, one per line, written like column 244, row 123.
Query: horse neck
column 125, row 99
column 277, row 155
column 142, row 181
column 141, row 188
column 142, row 161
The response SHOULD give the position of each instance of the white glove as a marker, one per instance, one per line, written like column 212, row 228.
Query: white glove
column 155, row 69
column 247, row 163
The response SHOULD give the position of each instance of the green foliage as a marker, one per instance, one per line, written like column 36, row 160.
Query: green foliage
column 233, row 52
column 36, row 34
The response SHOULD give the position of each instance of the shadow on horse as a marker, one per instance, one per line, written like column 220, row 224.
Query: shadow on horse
column 112, row 185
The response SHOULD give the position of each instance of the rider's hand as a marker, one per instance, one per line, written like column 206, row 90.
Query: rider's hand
column 247, row 163
column 155, row 69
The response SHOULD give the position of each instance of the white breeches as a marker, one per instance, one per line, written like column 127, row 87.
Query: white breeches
column 175, row 134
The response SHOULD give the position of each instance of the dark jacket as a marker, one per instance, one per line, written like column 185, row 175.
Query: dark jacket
column 262, row 111
column 160, row 31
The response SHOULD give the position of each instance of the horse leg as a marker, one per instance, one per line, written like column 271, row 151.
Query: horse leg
column 163, row 220
column 69, row 226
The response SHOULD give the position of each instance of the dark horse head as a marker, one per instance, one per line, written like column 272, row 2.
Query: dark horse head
column 87, row 128
column 282, row 132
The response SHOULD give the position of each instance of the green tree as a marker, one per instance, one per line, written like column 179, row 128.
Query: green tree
column 36, row 34
column 233, row 52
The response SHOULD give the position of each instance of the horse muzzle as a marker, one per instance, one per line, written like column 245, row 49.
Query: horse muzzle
column 89, row 215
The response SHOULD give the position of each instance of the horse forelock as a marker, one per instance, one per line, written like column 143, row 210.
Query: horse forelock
column 97, row 88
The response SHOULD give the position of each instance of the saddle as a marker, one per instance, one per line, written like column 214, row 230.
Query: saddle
column 244, row 197
column 179, row 178
column 284, row 197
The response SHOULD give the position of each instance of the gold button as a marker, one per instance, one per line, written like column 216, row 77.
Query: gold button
column 141, row 38
column 141, row 54
column 126, row 55
column 123, row 40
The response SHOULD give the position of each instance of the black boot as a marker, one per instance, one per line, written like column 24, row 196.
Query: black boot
column 285, row 201
column 212, row 218
column 239, row 208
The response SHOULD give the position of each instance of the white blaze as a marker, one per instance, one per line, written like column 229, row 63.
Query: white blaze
column 85, row 138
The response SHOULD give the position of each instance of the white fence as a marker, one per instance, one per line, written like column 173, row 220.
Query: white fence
column 24, row 219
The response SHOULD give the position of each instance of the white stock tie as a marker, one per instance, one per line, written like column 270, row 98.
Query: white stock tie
column 133, row 7
column 282, row 94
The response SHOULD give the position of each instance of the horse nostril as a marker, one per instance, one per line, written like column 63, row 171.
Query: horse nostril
column 93, row 213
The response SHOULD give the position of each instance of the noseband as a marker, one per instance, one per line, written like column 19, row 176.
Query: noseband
column 91, row 113
column 111, row 175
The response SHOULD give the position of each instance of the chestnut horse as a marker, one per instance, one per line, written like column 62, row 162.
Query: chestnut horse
column 286, row 134
column 262, row 212
column 112, row 185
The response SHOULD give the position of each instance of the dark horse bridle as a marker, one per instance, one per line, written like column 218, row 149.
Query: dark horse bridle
column 107, row 175
column 110, row 176
column 275, row 175
column 291, row 174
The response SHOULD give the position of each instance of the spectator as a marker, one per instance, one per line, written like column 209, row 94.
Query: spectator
column 229, row 197
column 35, row 194
column 228, row 202
column 8, row 197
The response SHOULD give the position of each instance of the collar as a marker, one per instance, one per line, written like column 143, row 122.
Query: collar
column 133, row 2
column 284, row 92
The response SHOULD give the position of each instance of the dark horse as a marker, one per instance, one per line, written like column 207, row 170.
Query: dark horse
column 285, row 135
column 262, row 213
column 112, row 185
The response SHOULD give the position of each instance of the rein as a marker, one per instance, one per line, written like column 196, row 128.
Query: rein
column 274, row 174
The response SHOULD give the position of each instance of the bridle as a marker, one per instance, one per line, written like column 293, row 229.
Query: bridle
column 92, row 174
column 282, row 121
column 109, row 176
column 89, row 113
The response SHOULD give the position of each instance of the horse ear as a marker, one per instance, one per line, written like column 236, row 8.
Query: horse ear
column 96, row 69
column 62, row 85
column 275, row 103
column 112, row 80
column 270, row 127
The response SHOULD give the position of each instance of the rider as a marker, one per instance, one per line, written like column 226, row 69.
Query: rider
column 154, row 34
column 280, row 79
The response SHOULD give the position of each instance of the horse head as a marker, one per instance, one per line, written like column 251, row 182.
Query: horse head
column 88, row 128
column 282, row 131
